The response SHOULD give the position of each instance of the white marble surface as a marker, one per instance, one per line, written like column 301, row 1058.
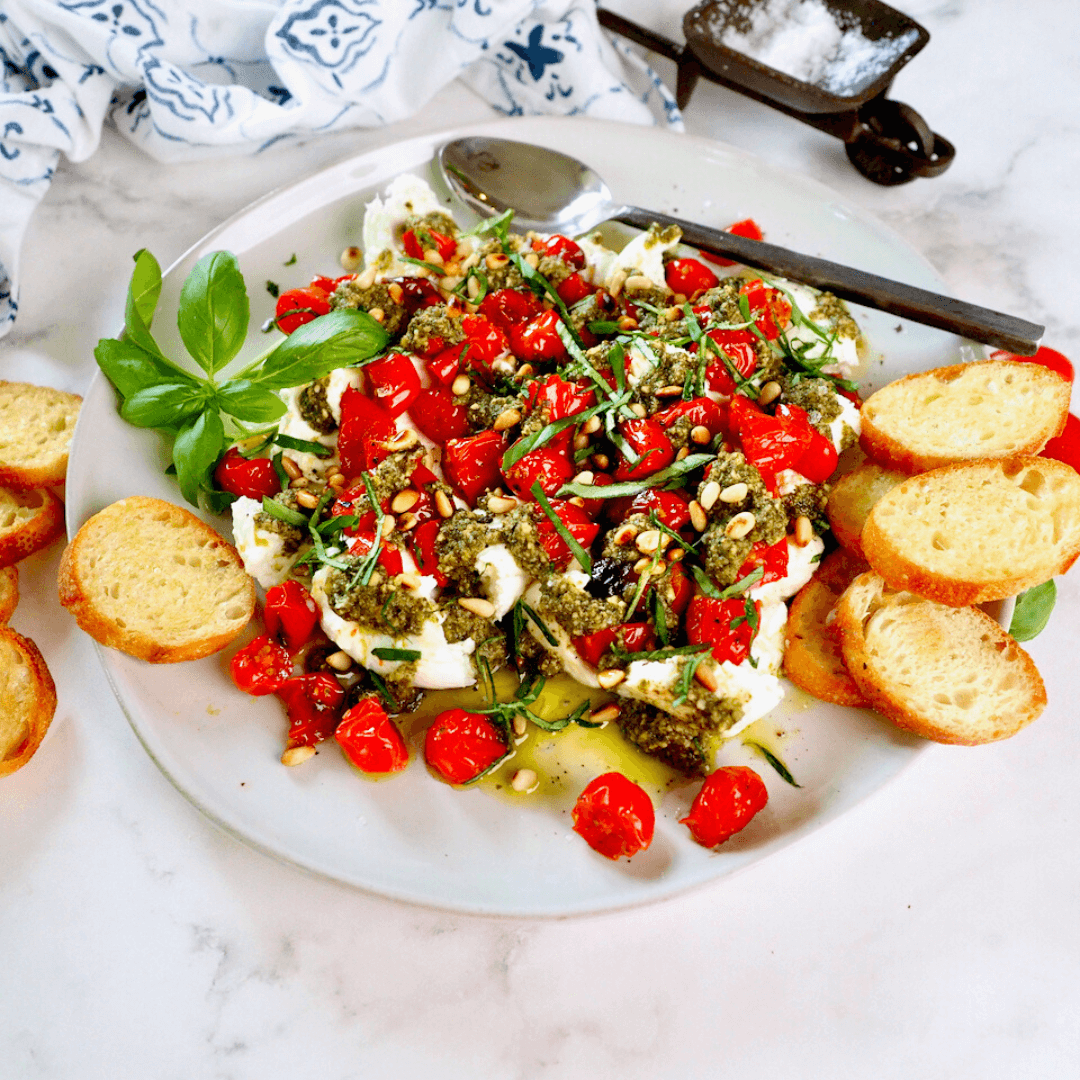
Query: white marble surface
column 932, row 932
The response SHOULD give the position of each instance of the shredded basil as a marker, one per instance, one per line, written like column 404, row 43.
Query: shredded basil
column 632, row 487
column 405, row 655
column 580, row 553
column 284, row 513
column 774, row 761
column 538, row 622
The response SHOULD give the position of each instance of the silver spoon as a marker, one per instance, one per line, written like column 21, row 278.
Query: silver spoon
column 551, row 192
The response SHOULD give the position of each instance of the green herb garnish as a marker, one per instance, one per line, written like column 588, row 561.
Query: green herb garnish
column 572, row 543
column 632, row 487
column 1032, row 611
column 774, row 761
column 404, row 655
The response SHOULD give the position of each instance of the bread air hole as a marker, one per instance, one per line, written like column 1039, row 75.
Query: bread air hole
column 1033, row 483
column 235, row 613
column 964, row 698
column 940, row 542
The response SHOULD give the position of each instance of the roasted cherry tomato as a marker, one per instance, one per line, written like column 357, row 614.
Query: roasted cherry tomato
column 562, row 247
column 772, row 558
column 461, row 745
column 633, row 637
column 389, row 557
column 370, row 739
column 727, row 801
column 394, row 382
column 653, row 448
column 538, row 339
column 261, row 667
column 748, row 228
column 250, row 478
column 290, row 613
column 484, row 343
column 365, row 429
column 689, row 277
column 739, row 354
column 550, row 465
column 473, row 463
column 1066, row 447
column 724, row 625
column 417, row 292
column 313, row 702
column 578, row 523
column 425, row 552
column 574, row 289
column 615, row 816
column 769, row 308
column 817, row 462
column 701, row 412
column 417, row 241
column 445, row 366
column 508, row 308
column 298, row 306
column 1048, row 358
column 436, row 416
column 672, row 507
column 559, row 398
column 771, row 443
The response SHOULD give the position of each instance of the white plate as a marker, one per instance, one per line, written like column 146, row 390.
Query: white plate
column 413, row 838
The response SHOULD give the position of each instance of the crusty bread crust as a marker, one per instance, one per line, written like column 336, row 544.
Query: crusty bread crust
column 979, row 531
column 9, row 592
column 812, row 658
column 29, row 521
column 964, row 412
column 36, row 425
column 853, row 497
column 839, row 569
column 27, row 700
column 948, row 674
column 151, row 579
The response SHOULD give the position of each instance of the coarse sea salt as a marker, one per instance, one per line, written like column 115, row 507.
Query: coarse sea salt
column 803, row 39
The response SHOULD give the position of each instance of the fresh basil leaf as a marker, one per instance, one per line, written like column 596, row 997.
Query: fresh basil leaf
column 284, row 513
column 143, row 292
column 196, row 451
column 305, row 446
column 161, row 405
column 571, row 541
column 130, row 368
column 404, row 655
column 214, row 311
column 632, row 487
column 530, row 442
column 1032, row 611
column 313, row 350
column 252, row 404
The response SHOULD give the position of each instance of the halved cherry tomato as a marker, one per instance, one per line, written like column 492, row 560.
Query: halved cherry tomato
column 727, row 801
column 417, row 292
column 574, row 289
column 298, row 306
column 701, row 412
column 538, row 339
column 250, row 478
column 559, row 397
column 1047, row 358
column 748, row 227
column 672, row 507
column 578, row 523
column 290, row 613
column 1066, row 447
column 653, row 448
column 550, row 465
column 562, row 247
column 389, row 557
column 444, row 366
column 818, row 460
column 737, row 346
column 633, row 637
column 353, row 501
column 370, row 739
column 689, row 277
column 473, row 463
column 436, row 416
column 414, row 241
column 508, row 308
column 723, row 625
column 394, row 382
column 485, row 343
column 422, row 540
column 364, row 430
column 769, row 308
column 461, row 745
column 771, row 443
column 313, row 703
column 261, row 667
column 772, row 558
column 615, row 816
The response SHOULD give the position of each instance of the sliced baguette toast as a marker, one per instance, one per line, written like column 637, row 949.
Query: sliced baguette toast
column 946, row 673
column 964, row 412
column 29, row 521
column 9, row 592
column 36, row 425
column 853, row 497
column 965, row 534
column 27, row 700
column 154, row 581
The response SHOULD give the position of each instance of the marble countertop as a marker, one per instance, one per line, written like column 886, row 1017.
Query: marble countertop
column 930, row 932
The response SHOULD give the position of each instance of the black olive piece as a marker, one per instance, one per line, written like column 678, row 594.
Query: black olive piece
column 609, row 578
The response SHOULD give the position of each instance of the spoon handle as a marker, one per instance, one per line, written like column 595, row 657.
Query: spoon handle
column 921, row 306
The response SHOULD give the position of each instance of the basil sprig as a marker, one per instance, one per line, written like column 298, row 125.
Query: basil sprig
column 213, row 320
column 1032, row 611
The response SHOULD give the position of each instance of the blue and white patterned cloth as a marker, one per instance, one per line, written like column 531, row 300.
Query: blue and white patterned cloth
column 186, row 79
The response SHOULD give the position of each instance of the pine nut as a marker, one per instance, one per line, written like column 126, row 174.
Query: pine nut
column 297, row 755
column 611, row 677
column 734, row 493
column 584, row 477
column 404, row 500
column 367, row 278
column 683, row 453
column 389, row 523
column 627, row 322
column 507, row 419
column 308, row 499
column 453, row 269
column 496, row 260
column 443, row 504
column 460, row 385
column 397, row 293
column 709, row 494
column 350, row 259
column 642, row 564
column 431, row 255
column 700, row 435
column 676, row 554
column 340, row 660
column 648, row 541
column 409, row 581
column 592, row 425
column 581, row 442
column 618, row 280
column 524, row 780
column 407, row 522
column 470, row 261
column 526, row 371
column 404, row 440
column 804, row 531
column 639, row 281
column 577, row 500
column 299, row 482
column 473, row 288
column 769, row 393
column 292, row 470
column 533, row 259
column 673, row 314
column 498, row 504
column 521, row 725
column 707, row 678
column 464, row 248
column 698, row 517
column 449, row 283
column 624, row 534
column 336, row 479
column 638, row 410
column 601, row 461
column 605, row 715
column 477, row 605
column 680, row 299
column 740, row 525
column 669, row 391
column 377, row 314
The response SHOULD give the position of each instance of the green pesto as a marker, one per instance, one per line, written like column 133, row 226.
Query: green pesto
column 587, row 311
column 672, row 366
column 733, row 468
column 429, row 322
column 380, row 605
column 315, row 408
column 484, row 407
column 833, row 310
column 291, row 536
column 817, row 397
column 722, row 556
column 437, row 220
column 460, row 624
column 554, row 269
column 349, row 295
column 807, row 500
column 393, row 473
column 575, row 610
column 678, row 433
column 463, row 536
column 625, row 553
column 502, row 277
